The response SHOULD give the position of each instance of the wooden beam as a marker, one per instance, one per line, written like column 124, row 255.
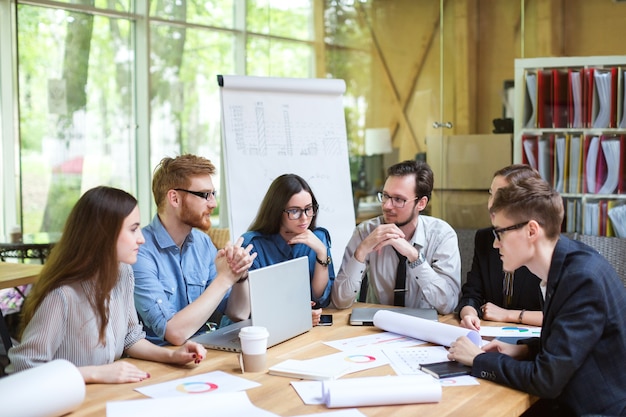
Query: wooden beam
column 320, row 46
column 417, row 70
column 465, row 66
column 549, row 27
column 387, row 76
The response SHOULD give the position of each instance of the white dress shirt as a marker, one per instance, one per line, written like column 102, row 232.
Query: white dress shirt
column 64, row 326
column 436, row 283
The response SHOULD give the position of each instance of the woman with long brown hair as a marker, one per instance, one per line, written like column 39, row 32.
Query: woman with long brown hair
column 81, row 308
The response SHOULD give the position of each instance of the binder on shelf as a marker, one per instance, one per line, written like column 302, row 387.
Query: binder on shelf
column 530, row 150
column 544, row 99
column 610, row 165
column 579, row 216
column 591, row 216
column 588, row 92
column 591, row 148
column 575, row 162
column 614, row 98
column 560, row 163
column 545, row 157
column 602, row 217
column 610, row 230
column 621, row 98
column 602, row 180
column 560, row 111
column 573, row 213
column 617, row 215
column 621, row 182
column 530, row 102
column 602, row 99
column 575, row 98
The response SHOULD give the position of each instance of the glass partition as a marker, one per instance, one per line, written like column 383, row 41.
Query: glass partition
column 75, row 78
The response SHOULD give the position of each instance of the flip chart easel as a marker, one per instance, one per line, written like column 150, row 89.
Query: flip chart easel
column 273, row 126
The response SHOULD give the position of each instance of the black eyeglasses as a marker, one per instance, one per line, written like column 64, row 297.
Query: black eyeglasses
column 498, row 232
column 294, row 213
column 397, row 202
column 202, row 194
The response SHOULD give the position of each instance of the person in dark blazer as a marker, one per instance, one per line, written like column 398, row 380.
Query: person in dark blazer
column 490, row 293
column 577, row 364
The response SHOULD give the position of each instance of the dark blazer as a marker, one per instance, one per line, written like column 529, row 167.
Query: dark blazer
column 484, row 280
column 579, row 359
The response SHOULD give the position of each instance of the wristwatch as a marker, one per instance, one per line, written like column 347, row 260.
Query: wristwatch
column 420, row 260
column 319, row 261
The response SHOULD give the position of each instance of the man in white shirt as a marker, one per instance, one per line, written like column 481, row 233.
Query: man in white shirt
column 430, row 276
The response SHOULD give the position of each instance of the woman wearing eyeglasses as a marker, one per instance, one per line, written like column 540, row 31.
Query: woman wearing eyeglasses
column 284, row 229
column 490, row 292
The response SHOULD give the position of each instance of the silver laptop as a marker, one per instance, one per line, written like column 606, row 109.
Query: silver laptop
column 280, row 300
column 364, row 316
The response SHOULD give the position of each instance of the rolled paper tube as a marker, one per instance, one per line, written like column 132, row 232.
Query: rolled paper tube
column 418, row 328
column 381, row 390
column 49, row 390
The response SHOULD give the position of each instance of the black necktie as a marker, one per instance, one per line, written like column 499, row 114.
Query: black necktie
column 400, row 290
column 363, row 291
column 507, row 289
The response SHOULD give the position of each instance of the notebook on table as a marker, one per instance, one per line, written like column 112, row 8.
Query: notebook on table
column 280, row 300
column 364, row 316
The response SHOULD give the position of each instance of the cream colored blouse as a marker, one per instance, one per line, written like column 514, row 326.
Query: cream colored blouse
column 65, row 327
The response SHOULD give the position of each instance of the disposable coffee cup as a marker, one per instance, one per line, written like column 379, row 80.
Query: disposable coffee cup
column 16, row 234
column 253, row 348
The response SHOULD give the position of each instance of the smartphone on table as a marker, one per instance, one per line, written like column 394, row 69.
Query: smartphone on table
column 326, row 320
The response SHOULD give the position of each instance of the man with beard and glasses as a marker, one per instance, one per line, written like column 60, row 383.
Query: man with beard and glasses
column 402, row 258
column 181, row 279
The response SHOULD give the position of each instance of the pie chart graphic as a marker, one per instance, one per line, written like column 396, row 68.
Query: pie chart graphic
column 515, row 329
column 198, row 387
column 360, row 358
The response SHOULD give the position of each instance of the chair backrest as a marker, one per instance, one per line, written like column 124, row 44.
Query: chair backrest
column 466, row 248
column 219, row 236
column 612, row 248
column 21, row 252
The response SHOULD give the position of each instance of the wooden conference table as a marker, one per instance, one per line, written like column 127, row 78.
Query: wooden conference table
column 276, row 395
column 13, row 275
column 16, row 274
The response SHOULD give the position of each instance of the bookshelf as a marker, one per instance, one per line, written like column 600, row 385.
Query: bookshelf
column 569, row 124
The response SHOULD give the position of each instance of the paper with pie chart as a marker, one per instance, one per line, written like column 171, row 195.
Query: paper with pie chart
column 510, row 331
column 211, row 382
column 331, row 366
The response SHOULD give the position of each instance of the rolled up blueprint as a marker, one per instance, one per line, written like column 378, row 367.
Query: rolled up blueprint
column 49, row 390
column 381, row 390
column 418, row 328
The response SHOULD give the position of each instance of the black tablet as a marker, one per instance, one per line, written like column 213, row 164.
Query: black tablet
column 445, row 369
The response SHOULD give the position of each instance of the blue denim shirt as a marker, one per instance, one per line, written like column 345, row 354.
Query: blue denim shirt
column 273, row 249
column 167, row 278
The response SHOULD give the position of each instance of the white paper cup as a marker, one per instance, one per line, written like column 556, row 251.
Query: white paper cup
column 253, row 348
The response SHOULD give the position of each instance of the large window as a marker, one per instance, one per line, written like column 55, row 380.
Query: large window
column 348, row 57
column 81, row 63
column 75, row 73
column 184, row 95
